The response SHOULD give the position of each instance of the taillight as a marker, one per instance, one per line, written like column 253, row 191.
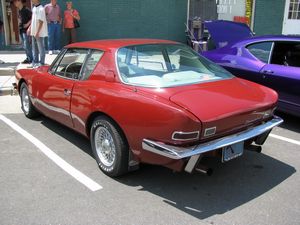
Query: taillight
column 185, row 136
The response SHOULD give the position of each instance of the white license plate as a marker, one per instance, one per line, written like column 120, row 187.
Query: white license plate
column 232, row 151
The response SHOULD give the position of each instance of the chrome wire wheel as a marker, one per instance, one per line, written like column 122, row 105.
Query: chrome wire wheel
column 105, row 146
column 25, row 100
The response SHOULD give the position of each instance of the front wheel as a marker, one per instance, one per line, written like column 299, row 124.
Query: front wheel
column 109, row 147
column 27, row 106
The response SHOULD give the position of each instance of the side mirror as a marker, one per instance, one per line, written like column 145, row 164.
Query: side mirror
column 110, row 76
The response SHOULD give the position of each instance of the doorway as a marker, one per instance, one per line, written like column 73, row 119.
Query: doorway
column 291, row 21
column 10, row 22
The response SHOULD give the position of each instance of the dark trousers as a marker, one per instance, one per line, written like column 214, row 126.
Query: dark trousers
column 71, row 35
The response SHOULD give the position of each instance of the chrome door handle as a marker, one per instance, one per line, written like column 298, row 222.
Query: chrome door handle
column 67, row 92
column 268, row 71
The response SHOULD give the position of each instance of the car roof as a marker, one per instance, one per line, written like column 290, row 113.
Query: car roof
column 110, row 44
column 268, row 38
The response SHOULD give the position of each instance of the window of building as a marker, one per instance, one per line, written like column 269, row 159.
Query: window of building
column 294, row 10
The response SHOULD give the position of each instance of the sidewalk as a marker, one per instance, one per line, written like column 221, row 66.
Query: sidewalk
column 9, row 62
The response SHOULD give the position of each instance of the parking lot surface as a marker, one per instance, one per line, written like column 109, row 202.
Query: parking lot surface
column 253, row 189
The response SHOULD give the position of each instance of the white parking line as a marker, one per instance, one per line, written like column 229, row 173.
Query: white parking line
column 79, row 176
column 285, row 139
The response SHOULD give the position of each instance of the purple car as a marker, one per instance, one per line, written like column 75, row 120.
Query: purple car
column 273, row 61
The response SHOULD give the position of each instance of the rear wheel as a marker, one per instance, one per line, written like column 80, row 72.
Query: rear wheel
column 109, row 147
column 27, row 106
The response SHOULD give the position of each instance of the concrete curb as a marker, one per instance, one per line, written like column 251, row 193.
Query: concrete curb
column 8, row 71
column 7, row 91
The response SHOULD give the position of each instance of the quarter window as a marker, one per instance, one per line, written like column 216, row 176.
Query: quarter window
column 91, row 62
column 261, row 50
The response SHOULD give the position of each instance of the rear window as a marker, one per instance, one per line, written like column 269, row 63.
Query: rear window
column 166, row 65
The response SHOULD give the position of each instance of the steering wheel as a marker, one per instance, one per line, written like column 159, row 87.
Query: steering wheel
column 66, row 70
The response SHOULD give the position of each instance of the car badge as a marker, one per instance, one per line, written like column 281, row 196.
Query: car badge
column 210, row 131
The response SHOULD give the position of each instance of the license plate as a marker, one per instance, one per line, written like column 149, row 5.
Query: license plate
column 232, row 151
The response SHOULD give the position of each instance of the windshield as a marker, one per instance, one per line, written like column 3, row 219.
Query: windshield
column 166, row 65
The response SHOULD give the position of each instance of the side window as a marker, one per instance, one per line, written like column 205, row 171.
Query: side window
column 71, row 63
column 261, row 50
column 90, row 64
column 286, row 53
column 56, row 62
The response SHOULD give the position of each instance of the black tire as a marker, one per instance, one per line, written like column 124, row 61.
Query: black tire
column 27, row 106
column 112, row 151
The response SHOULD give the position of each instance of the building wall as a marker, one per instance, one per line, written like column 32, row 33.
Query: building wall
column 268, row 16
column 107, row 19
column 205, row 9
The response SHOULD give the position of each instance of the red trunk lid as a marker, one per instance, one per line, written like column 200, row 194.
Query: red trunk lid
column 227, row 105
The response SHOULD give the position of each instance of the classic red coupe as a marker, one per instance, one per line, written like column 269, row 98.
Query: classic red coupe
column 149, row 101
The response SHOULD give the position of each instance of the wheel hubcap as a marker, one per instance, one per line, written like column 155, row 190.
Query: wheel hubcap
column 25, row 100
column 105, row 146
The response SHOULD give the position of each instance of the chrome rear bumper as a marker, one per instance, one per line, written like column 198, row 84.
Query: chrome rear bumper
column 175, row 152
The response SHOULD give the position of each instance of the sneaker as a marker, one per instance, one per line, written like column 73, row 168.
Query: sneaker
column 31, row 66
column 26, row 61
column 37, row 65
column 50, row 52
column 56, row 51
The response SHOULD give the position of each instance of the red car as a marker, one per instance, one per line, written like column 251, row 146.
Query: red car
column 149, row 101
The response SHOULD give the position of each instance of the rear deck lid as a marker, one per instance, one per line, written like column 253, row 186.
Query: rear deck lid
column 227, row 105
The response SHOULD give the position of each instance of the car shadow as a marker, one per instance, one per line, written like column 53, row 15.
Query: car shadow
column 232, row 184
column 290, row 122
column 70, row 135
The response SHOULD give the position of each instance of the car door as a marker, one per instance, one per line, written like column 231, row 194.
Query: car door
column 255, row 57
column 283, row 73
column 56, row 86
column 247, row 61
column 285, row 80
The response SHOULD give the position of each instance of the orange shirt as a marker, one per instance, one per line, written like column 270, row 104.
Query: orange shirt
column 69, row 20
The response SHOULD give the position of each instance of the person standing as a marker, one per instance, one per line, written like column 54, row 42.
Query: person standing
column 69, row 27
column 24, row 23
column 54, row 19
column 1, row 38
column 38, row 31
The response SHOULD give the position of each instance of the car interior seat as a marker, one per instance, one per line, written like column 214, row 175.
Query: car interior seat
column 291, row 59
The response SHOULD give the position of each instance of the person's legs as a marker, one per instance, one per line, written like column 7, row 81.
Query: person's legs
column 41, row 48
column 51, row 36
column 35, row 52
column 22, row 36
column 27, row 46
column 68, row 35
column 73, row 35
column 57, row 37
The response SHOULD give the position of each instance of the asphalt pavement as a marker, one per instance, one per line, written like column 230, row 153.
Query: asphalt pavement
column 260, row 189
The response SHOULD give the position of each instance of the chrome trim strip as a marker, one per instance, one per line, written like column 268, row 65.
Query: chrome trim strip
column 188, row 139
column 271, row 52
column 175, row 152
